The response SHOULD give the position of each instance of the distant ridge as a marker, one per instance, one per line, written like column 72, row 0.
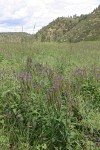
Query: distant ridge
column 14, row 36
column 72, row 29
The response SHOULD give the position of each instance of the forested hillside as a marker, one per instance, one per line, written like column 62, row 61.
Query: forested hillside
column 72, row 29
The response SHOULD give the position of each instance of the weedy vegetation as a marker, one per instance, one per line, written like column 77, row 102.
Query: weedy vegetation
column 50, row 96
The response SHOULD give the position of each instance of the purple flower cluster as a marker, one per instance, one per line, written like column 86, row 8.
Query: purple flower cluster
column 25, row 81
column 27, row 76
column 82, row 73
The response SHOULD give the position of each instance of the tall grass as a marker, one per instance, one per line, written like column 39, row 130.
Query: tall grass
column 50, row 96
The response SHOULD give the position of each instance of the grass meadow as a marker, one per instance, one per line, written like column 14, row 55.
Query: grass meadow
column 50, row 96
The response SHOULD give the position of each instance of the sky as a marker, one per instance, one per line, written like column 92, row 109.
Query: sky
column 31, row 15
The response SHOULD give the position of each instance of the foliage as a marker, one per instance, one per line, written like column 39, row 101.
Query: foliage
column 49, row 101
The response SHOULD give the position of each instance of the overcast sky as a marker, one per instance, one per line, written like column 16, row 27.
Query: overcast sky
column 32, row 15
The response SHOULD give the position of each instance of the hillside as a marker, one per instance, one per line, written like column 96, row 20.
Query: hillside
column 72, row 29
column 14, row 36
column 56, row 29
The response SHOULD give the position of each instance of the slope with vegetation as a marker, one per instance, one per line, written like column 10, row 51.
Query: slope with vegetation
column 56, row 29
column 14, row 37
column 72, row 29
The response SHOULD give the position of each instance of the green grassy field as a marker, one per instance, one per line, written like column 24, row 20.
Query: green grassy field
column 50, row 96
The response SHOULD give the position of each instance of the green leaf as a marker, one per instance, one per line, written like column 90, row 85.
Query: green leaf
column 44, row 146
column 14, row 110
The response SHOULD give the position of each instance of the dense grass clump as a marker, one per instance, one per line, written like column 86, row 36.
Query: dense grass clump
column 50, row 96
